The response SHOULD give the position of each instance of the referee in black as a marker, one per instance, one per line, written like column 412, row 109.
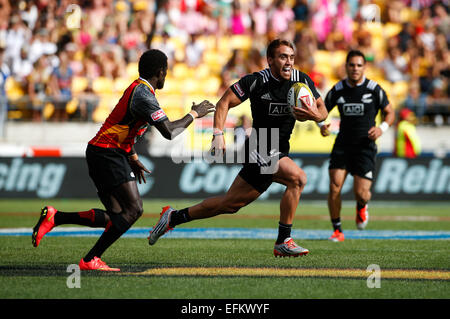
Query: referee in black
column 359, row 100
column 267, row 160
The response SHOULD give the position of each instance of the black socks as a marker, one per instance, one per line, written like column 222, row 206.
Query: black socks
column 112, row 232
column 284, row 231
column 179, row 217
column 337, row 224
column 91, row 218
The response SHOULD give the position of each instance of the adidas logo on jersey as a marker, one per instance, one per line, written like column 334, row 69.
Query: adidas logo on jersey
column 266, row 97
column 340, row 100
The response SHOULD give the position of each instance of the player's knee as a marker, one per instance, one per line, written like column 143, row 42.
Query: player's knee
column 134, row 211
column 298, row 180
column 335, row 189
column 363, row 195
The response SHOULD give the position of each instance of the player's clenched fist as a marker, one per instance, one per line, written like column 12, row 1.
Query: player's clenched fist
column 203, row 108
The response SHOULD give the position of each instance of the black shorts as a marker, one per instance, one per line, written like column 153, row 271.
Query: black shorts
column 108, row 168
column 258, row 176
column 358, row 160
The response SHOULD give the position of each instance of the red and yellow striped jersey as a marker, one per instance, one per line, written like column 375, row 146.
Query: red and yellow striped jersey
column 136, row 109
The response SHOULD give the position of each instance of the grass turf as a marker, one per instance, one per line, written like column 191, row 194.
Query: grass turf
column 28, row 272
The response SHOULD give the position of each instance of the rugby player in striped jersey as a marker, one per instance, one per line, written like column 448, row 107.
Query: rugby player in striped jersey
column 114, row 165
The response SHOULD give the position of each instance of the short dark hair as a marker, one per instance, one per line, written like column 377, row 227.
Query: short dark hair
column 151, row 62
column 353, row 53
column 275, row 44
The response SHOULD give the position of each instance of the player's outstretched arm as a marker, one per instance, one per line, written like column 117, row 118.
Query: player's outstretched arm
column 170, row 129
column 227, row 101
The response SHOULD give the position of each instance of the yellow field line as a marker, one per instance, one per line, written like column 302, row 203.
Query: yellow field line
column 294, row 272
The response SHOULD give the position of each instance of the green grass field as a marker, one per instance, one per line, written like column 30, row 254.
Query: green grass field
column 178, row 268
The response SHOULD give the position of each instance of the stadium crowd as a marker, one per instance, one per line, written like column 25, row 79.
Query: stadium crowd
column 69, row 59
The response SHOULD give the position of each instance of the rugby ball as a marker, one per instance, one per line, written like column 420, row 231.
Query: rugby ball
column 299, row 91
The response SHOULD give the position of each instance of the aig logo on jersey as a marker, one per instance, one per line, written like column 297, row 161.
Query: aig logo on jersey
column 279, row 109
column 353, row 109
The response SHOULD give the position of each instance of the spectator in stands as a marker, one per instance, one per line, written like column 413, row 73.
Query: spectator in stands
column 191, row 21
column 405, row 36
column 97, row 13
column 37, row 28
column 439, row 101
column 167, row 47
column 259, row 18
column 306, row 46
column 194, row 51
column 22, row 67
column 41, row 45
column 16, row 37
column 301, row 10
column 237, row 21
column 38, row 82
column 132, row 40
column 321, row 21
column 281, row 18
column 121, row 15
column 364, row 43
column 60, row 87
column 225, row 81
column 407, row 142
column 4, row 74
column 442, row 19
column 415, row 101
column 344, row 21
column 255, row 61
column 394, row 66
column 5, row 10
column 368, row 11
column 393, row 10
column 236, row 65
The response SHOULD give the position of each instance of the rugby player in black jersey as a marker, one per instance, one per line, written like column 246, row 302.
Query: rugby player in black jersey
column 359, row 100
column 114, row 165
column 268, row 160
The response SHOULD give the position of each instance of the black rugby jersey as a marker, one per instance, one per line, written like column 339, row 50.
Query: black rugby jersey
column 268, row 102
column 358, row 107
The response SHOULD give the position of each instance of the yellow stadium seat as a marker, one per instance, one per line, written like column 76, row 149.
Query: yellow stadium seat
column 103, row 85
column 72, row 106
column 202, row 71
column 338, row 58
column 375, row 28
column 79, row 84
column 210, row 85
column 170, row 100
column 13, row 88
column 191, row 86
column 392, row 29
column 172, row 86
column 132, row 70
column 181, row 71
column 121, row 84
column 174, row 113
column 243, row 42
column 322, row 57
column 48, row 110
